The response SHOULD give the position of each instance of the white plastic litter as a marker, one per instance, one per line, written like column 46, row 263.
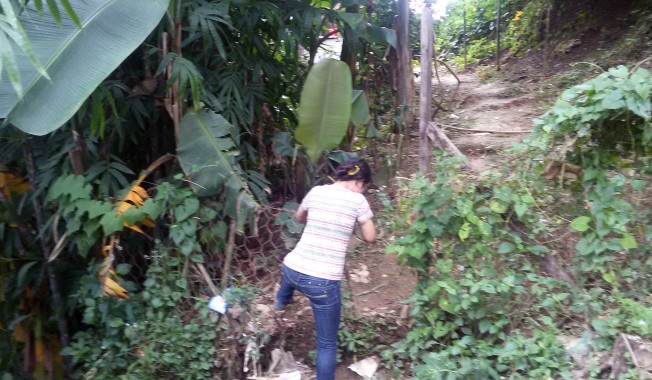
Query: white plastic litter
column 296, row 375
column 218, row 304
column 365, row 367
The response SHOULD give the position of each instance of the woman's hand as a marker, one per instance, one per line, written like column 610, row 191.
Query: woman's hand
column 368, row 231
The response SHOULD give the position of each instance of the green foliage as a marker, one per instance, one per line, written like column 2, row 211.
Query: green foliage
column 357, row 335
column 65, row 50
column 587, row 111
column 325, row 109
column 480, row 28
column 162, row 331
column 602, row 125
column 520, row 357
column 149, row 336
column 486, row 306
column 90, row 219
column 238, row 59
column 638, row 318
column 292, row 229
column 207, row 154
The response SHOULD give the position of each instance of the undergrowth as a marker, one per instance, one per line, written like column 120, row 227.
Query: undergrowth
column 513, row 260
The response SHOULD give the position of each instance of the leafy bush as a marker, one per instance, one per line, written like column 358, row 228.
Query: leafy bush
column 492, row 291
column 150, row 336
column 164, row 329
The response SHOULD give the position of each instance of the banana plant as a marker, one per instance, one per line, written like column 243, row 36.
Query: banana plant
column 76, row 52
column 207, row 154
column 328, row 105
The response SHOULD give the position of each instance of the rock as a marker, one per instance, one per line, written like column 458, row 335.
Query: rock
column 405, row 312
column 282, row 361
column 578, row 350
column 263, row 309
column 644, row 358
column 360, row 275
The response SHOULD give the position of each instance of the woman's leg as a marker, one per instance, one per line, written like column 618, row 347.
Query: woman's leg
column 327, row 324
column 326, row 302
column 286, row 290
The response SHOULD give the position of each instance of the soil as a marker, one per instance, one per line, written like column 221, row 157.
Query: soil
column 484, row 119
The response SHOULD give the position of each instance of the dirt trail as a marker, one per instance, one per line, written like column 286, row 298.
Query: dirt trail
column 500, row 106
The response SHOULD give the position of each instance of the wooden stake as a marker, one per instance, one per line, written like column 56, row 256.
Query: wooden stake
column 425, row 96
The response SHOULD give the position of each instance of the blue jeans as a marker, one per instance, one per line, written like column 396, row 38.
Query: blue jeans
column 326, row 303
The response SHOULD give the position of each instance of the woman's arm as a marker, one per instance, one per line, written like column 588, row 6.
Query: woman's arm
column 301, row 215
column 368, row 231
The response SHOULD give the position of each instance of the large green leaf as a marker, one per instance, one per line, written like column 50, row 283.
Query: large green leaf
column 379, row 35
column 325, row 107
column 76, row 59
column 359, row 108
column 368, row 32
column 207, row 155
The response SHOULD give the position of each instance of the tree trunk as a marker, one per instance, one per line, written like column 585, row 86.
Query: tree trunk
column 546, row 43
column 425, row 96
column 440, row 140
column 76, row 154
column 464, row 32
column 348, row 48
column 405, row 74
column 498, row 35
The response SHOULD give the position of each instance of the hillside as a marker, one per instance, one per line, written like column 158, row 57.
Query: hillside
column 483, row 113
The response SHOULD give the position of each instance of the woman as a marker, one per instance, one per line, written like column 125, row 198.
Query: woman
column 316, row 265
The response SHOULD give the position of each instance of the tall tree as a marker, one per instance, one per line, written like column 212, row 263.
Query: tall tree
column 405, row 75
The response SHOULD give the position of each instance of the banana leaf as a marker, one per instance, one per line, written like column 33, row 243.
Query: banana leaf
column 360, row 108
column 325, row 107
column 207, row 155
column 76, row 59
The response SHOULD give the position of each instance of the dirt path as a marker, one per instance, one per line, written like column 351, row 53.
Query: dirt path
column 501, row 106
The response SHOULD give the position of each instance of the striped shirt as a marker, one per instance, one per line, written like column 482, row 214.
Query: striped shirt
column 332, row 214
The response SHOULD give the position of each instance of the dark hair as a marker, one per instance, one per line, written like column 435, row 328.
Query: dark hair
column 353, row 170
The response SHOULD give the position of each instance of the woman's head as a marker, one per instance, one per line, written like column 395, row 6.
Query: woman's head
column 355, row 169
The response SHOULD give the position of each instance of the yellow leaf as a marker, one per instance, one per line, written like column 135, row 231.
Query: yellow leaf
column 148, row 222
column 135, row 228
column 141, row 192
column 135, row 197
column 122, row 207
column 114, row 289
column 11, row 183
column 20, row 335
